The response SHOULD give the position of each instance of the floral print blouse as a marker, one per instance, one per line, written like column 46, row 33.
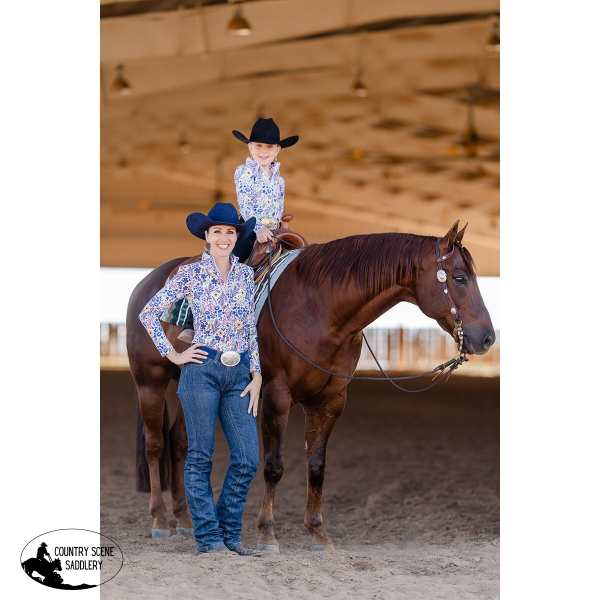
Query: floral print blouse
column 223, row 310
column 258, row 195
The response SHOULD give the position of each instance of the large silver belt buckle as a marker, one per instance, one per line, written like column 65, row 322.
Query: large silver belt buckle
column 230, row 358
column 269, row 222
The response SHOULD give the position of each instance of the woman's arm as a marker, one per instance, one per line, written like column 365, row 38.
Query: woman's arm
column 249, row 323
column 250, row 327
column 177, row 288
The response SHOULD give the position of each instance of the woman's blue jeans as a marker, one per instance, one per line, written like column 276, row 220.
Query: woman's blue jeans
column 207, row 391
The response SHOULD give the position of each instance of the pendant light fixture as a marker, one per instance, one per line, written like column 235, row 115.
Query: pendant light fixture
column 120, row 84
column 493, row 43
column 358, row 88
column 184, row 146
column 470, row 136
column 238, row 24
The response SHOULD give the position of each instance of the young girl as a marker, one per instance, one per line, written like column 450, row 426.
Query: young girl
column 219, row 369
column 259, row 186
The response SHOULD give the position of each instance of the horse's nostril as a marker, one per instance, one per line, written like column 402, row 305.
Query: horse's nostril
column 488, row 341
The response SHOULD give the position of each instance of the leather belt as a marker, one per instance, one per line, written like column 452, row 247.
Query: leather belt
column 230, row 358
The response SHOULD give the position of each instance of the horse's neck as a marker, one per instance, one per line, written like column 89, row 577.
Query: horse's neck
column 352, row 313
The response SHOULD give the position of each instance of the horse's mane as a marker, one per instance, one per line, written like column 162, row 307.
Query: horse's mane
column 374, row 262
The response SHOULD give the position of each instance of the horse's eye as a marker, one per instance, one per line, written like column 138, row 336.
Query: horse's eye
column 460, row 279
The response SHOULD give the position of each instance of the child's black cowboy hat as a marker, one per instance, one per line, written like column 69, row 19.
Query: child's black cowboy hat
column 222, row 213
column 265, row 131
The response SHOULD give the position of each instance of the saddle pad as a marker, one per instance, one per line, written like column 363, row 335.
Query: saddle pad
column 278, row 267
column 177, row 313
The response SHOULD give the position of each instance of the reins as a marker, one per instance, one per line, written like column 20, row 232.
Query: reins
column 448, row 367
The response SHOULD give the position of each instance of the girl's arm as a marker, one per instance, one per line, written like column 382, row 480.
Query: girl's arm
column 245, row 179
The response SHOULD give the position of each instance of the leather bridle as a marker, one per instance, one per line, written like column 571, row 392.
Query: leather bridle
column 457, row 334
column 448, row 367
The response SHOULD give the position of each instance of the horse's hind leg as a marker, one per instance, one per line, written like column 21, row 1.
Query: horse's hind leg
column 276, row 409
column 152, row 400
column 179, row 446
column 320, row 420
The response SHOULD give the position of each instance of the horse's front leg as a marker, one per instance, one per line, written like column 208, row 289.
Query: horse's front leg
column 277, row 402
column 319, row 422
column 152, row 400
column 179, row 447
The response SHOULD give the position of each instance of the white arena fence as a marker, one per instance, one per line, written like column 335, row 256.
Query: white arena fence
column 398, row 350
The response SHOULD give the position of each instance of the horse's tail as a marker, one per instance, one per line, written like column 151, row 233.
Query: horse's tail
column 142, row 471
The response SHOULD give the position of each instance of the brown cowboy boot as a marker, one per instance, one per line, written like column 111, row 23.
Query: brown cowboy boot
column 187, row 336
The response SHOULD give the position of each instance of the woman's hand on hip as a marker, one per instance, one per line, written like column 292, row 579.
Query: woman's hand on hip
column 193, row 354
column 264, row 234
column 254, row 388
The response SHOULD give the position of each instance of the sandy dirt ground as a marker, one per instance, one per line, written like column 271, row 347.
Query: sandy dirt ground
column 411, row 502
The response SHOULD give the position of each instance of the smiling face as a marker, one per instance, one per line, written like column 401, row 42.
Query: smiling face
column 222, row 239
column 264, row 154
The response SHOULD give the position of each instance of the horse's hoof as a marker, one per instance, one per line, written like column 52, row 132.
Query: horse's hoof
column 185, row 531
column 322, row 547
column 161, row 533
column 267, row 548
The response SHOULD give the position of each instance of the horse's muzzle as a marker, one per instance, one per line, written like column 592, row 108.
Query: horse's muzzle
column 482, row 342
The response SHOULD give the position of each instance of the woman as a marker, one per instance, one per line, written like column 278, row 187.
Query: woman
column 219, row 369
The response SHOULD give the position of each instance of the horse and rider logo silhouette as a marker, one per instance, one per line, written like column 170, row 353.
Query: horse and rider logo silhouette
column 46, row 568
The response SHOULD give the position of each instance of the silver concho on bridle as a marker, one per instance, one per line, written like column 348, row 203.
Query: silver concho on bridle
column 441, row 276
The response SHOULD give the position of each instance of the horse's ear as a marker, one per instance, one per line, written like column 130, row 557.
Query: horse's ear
column 460, row 234
column 449, row 239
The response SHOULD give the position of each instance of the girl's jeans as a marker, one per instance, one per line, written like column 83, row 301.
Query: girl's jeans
column 207, row 391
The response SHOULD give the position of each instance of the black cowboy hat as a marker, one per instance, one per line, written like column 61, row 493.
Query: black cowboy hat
column 222, row 213
column 265, row 131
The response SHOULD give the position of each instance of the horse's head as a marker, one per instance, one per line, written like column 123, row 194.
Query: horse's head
column 461, row 281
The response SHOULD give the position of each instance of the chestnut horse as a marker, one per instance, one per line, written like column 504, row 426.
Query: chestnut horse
column 321, row 304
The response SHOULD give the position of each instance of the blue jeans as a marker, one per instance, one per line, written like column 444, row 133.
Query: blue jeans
column 207, row 391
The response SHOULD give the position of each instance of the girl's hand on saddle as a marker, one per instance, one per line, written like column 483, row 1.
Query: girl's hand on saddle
column 192, row 354
column 254, row 388
column 264, row 234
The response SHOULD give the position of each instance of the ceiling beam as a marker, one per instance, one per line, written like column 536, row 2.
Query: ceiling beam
column 175, row 33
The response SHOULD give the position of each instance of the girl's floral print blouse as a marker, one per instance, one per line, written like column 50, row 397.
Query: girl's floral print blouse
column 223, row 311
column 258, row 195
